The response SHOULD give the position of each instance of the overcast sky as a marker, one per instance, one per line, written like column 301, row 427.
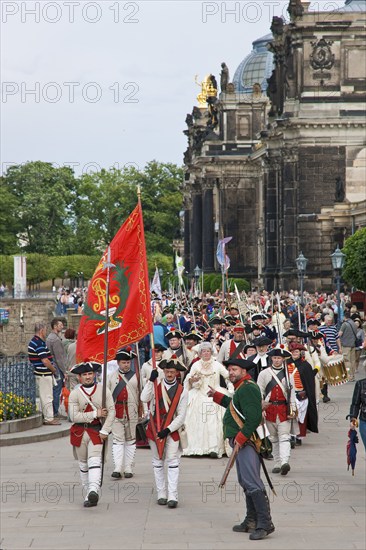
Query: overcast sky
column 97, row 84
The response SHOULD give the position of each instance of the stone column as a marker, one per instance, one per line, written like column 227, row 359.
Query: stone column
column 196, row 237
column 207, row 231
column 288, row 240
column 187, row 240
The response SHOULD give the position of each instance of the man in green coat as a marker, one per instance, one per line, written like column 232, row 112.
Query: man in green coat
column 242, row 417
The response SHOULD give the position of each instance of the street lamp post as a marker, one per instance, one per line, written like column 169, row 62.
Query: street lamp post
column 301, row 263
column 197, row 274
column 338, row 259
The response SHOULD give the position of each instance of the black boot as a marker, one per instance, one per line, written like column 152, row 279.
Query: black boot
column 249, row 523
column 324, row 391
column 264, row 520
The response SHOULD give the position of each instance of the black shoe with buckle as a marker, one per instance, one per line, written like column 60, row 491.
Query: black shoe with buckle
column 172, row 503
column 116, row 475
column 162, row 501
column 326, row 399
column 128, row 474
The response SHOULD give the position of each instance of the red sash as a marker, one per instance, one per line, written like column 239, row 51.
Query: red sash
column 166, row 416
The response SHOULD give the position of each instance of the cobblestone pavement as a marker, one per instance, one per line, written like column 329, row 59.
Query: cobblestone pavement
column 319, row 504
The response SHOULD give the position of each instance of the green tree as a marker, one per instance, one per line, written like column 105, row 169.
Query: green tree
column 354, row 271
column 44, row 197
column 6, row 269
column 107, row 197
column 9, row 219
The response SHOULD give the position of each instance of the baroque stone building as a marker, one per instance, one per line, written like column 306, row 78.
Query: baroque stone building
column 278, row 159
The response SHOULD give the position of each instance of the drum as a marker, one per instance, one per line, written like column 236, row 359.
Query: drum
column 335, row 371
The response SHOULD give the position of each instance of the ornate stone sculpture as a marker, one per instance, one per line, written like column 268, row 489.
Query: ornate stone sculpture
column 340, row 194
column 224, row 77
column 295, row 9
column 322, row 56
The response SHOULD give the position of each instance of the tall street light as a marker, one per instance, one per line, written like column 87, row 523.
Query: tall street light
column 301, row 263
column 338, row 259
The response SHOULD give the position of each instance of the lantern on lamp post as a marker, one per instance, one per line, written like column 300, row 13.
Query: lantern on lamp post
column 301, row 263
column 338, row 260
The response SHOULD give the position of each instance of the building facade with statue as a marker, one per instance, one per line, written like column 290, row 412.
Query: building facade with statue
column 276, row 156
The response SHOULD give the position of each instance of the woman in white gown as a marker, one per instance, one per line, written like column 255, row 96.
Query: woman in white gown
column 204, row 418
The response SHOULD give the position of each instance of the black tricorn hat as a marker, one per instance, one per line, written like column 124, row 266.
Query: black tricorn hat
column 216, row 321
column 159, row 347
column 242, row 363
column 315, row 335
column 125, row 354
column 248, row 346
column 262, row 341
column 279, row 352
column 259, row 317
column 174, row 333
column 313, row 321
column 193, row 335
column 88, row 366
column 172, row 363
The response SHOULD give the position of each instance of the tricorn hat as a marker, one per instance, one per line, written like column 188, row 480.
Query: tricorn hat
column 248, row 346
column 315, row 335
column 216, row 320
column 242, row 363
column 125, row 354
column 262, row 341
column 88, row 366
column 172, row 363
column 159, row 347
column 313, row 321
column 259, row 317
column 193, row 335
column 174, row 333
column 279, row 352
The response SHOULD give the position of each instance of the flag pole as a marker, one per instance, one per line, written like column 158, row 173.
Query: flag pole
column 107, row 265
column 159, row 443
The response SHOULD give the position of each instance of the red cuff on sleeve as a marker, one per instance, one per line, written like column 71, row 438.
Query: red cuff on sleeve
column 217, row 397
column 240, row 439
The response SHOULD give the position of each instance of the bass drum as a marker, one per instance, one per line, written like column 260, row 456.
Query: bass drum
column 335, row 371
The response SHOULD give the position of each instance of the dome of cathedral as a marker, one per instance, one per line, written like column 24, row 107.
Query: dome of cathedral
column 354, row 5
column 256, row 67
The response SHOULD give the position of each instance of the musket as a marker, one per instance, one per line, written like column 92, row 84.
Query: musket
column 194, row 320
column 107, row 265
column 229, row 465
column 155, row 429
column 277, row 322
column 289, row 388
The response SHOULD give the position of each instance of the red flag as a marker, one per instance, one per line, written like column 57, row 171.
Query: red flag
column 129, row 296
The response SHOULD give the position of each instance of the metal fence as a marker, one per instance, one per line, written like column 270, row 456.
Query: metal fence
column 17, row 379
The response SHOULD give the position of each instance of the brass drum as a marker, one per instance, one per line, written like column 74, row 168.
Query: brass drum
column 335, row 371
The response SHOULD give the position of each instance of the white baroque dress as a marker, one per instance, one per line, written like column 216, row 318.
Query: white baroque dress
column 204, row 417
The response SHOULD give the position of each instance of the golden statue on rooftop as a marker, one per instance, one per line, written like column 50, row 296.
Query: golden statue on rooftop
column 208, row 89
